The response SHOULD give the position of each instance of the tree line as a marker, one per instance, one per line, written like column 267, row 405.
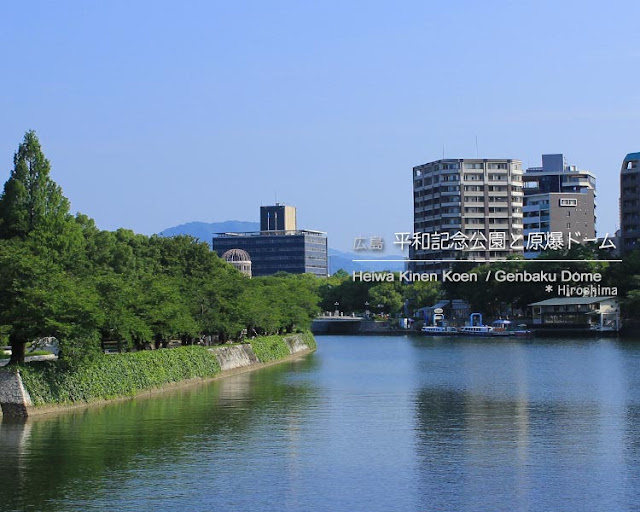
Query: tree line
column 494, row 298
column 62, row 277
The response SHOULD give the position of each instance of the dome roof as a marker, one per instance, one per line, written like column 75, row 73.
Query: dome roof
column 236, row 255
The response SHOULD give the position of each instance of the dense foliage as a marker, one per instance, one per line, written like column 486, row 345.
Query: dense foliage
column 49, row 382
column 489, row 296
column 61, row 276
column 269, row 348
column 116, row 375
column 379, row 297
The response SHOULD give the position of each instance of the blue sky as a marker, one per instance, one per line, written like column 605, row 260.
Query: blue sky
column 159, row 113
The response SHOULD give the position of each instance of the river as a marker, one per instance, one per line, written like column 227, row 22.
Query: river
column 365, row 423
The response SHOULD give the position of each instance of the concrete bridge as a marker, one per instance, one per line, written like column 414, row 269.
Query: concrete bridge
column 336, row 325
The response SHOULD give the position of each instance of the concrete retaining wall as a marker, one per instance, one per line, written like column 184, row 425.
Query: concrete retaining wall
column 14, row 398
column 239, row 356
column 236, row 356
column 296, row 343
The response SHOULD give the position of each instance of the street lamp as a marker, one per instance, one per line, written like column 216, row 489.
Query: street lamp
column 337, row 310
column 380, row 306
column 366, row 308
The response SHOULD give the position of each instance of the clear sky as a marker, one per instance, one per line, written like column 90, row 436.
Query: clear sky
column 158, row 113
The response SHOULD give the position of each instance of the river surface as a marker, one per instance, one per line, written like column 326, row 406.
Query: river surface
column 363, row 424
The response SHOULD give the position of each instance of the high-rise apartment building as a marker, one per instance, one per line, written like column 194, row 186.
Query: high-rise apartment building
column 630, row 203
column 470, row 208
column 558, row 198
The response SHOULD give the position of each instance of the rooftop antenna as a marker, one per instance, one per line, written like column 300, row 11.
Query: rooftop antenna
column 443, row 151
column 476, row 146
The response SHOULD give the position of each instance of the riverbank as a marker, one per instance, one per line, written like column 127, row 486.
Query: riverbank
column 43, row 387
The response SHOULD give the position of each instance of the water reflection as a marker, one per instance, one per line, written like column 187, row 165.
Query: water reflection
column 370, row 424
column 93, row 453
column 524, row 425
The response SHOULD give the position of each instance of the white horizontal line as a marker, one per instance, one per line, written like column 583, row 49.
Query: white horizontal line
column 486, row 261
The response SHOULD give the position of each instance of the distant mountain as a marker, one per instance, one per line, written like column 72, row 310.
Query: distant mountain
column 344, row 260
column 205, row 230
column 337, row 259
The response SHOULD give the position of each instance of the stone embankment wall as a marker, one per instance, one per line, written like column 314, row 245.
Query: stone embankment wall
column 235, row 356
column 16, row 402
column 239, row 356
column 296, row 344
column 14, row 398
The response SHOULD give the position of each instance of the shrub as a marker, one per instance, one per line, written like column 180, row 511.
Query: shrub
column 116, row 375
column 270, row 348
column 308, row 338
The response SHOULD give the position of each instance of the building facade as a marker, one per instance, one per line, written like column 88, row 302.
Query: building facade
column 592, row 313
column 630, row 203
column 558, row 198
column 279, row 217
column 474, row 204
column 277, row 248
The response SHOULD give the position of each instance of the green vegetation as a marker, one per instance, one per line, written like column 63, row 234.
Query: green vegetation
column 269, row 348
column 382, row 297
column 116, row 375
column 62, row 277
column 488, row 296
column 50, row 382
column 309, row 340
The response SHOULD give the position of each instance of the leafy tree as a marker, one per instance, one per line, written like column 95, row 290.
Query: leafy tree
column 33, row 207
column 389, row 294
column 38, row 299
column 421, row 293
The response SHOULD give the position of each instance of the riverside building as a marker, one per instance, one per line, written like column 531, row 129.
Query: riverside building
column 471, row 201
column 630, row 203
column 559, row 198
column 279, row 246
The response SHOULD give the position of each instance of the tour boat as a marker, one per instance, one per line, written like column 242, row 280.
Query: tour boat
column 476, row 327
column 476, row 330
column 438, row 330
column 505, row 328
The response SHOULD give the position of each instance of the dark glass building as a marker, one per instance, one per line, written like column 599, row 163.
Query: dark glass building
column 278, row 246
column 630, row 203
column 296, row 252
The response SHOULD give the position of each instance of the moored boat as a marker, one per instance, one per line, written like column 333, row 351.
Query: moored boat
column 438, row 330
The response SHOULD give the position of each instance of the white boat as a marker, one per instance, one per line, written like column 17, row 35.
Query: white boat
column 476, row 327
column 506, row 328
column 476, row 330
column 438, row 330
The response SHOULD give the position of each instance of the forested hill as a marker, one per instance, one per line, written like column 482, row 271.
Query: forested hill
column 203, row 231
